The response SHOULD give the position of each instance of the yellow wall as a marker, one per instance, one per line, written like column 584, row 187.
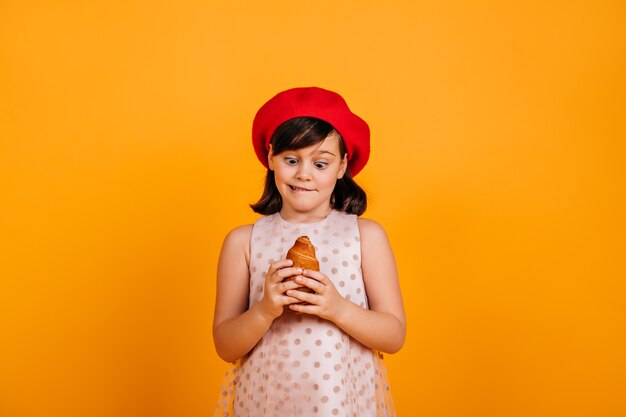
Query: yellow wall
column 497, row 169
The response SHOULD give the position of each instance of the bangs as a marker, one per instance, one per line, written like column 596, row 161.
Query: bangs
column 302, row 132
column 299, row 133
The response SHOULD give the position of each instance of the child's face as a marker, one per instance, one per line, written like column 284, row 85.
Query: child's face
column 306, row 177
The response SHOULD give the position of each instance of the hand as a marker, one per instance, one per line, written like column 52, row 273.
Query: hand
column 274, row 298
column 326, row 303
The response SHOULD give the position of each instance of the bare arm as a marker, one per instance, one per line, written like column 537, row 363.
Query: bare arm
column 237, row 329
column 383, row 326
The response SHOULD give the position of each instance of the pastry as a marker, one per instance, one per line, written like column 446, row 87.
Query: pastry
column 302, row 253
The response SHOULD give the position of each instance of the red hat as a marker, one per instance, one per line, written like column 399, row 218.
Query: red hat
column 321, row 104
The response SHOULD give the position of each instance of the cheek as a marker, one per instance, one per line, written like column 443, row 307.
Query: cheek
column 330, row 180
column 281, row 175
column 278, row 179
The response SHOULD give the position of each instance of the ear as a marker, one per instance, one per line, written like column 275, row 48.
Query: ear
column 270, row 159
column 342, row 167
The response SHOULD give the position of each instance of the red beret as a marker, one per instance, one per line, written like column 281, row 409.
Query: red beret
column 321, row 104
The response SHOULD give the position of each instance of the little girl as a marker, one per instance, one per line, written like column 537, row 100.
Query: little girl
column 299, row 353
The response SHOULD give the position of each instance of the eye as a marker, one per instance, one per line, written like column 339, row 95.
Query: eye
column 321, row 165
column 291, row 161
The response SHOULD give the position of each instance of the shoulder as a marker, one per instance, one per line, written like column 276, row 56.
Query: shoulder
column 373, row 237
column 370, row 229
column 240, row 233
column 238, row 241
column 239, row 236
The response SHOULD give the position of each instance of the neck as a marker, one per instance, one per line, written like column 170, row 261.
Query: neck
column 293, row 216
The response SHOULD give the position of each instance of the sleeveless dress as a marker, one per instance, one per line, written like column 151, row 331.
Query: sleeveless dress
column 306, row 366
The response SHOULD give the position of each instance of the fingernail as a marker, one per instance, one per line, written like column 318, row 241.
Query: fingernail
column 299, row 279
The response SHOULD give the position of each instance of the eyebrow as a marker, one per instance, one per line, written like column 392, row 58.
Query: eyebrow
column 317, row 151
column 322, row 151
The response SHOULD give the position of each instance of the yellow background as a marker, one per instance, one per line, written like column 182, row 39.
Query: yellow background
column 497, row 169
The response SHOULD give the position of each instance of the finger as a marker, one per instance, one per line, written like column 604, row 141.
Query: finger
column 287, row 285
column 311, row 283
column 275, row 266
column 286, row 300
column 283, row 273
column 304, row 308
column 316, row 275
column 303, row 296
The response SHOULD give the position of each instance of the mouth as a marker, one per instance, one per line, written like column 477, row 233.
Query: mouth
column 298, row 188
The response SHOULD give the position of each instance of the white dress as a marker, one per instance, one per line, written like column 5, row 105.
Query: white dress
column 304, row 365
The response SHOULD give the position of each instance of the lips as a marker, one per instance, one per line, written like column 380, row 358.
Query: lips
column 293, row 188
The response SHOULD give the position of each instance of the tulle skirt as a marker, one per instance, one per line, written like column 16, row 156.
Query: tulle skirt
column 231, row 399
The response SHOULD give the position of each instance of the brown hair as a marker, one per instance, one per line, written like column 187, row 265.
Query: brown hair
column 299, row 133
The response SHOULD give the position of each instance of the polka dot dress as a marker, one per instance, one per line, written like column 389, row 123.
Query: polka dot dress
column 304, row 365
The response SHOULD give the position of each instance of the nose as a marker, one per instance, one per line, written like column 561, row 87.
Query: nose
column 304, row 172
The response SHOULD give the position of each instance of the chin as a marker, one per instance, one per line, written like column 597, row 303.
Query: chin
column 301, row 208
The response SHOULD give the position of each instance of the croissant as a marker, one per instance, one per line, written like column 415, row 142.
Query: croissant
column 302, row 253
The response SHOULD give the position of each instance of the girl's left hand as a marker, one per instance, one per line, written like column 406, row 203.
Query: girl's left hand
column 326, row 303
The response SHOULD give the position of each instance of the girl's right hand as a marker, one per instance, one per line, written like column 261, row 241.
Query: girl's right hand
column 274, row 298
